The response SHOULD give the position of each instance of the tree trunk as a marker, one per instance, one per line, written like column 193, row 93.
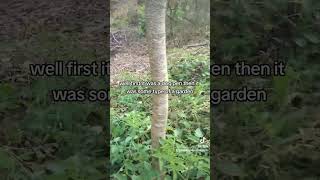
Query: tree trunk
column 156, row 38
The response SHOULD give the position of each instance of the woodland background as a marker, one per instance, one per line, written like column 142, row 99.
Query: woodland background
column 278, row 139
column 40, row 139
column 44, row 140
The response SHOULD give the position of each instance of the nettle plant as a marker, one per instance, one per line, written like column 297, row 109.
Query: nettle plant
column 182, row 155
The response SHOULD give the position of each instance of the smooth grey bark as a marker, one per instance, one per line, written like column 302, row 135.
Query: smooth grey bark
column 156, row 39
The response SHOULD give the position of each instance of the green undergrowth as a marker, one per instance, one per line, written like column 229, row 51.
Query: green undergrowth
column 277, row 139
column 188, row 123
column 41, row 139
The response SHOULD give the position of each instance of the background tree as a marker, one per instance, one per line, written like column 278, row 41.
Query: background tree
column 156, row 38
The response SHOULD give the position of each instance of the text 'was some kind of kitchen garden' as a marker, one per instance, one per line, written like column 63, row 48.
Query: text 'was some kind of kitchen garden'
column 240, row 69
column 74, row 68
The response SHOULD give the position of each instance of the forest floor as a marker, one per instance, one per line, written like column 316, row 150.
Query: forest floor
column 131, row 58
column 36, row 134
column 188, row 119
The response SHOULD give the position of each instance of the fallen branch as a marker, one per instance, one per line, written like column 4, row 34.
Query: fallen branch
column 197, row 45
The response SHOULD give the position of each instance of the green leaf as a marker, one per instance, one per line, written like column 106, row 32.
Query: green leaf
column 120, row 177
column 134, row 177
column 281, row 87
column 300, row 42
column 57, row 177
column 229, row 168
column 6, row 90
column 6, row 161
column 198, row 133
column 56, row 167
column 312, row 38
column 177, row 132
column 276, row 126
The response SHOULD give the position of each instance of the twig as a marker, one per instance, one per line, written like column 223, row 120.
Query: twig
column 197, row 45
